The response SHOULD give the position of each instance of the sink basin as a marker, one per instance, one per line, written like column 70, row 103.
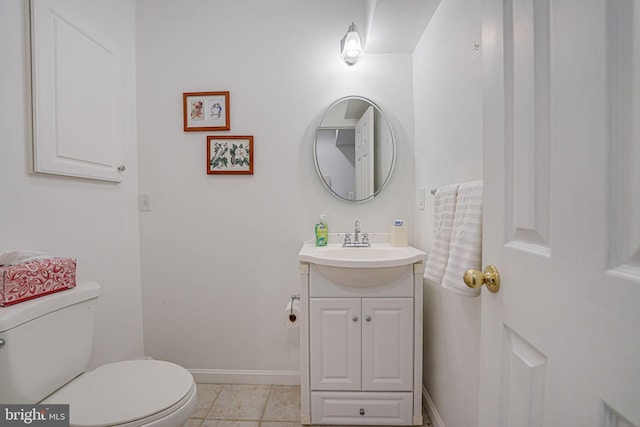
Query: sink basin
column 376, row 256
column 361, row 267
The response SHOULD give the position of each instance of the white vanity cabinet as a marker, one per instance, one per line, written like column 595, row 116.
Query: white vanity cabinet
column 361, row 349
column 361, row 343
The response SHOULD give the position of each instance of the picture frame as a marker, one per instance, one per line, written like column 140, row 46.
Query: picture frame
column 230, row 155
column 206, row 111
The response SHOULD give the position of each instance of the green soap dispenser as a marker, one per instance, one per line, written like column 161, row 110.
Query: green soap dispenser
column 322, row 231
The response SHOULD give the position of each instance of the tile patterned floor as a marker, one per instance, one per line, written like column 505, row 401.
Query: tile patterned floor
column 241, row 405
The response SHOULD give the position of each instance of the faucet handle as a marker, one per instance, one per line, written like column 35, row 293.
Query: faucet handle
column 347, row 238
column 365, row 238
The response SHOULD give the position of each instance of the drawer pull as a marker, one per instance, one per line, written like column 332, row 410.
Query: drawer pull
column 361, row 411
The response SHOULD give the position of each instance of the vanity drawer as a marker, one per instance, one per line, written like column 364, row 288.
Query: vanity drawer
column 400, row 286
column 362, row 408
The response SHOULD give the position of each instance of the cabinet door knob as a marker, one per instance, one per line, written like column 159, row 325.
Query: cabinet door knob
column 355, row 318
column 361, row 411
column 368, row 318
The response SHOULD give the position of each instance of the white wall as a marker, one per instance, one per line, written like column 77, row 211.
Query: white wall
column 448, row 126
column 219, row 252
column 94, row 222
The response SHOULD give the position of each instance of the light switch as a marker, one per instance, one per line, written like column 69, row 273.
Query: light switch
column 421, row 199
column 144, row 202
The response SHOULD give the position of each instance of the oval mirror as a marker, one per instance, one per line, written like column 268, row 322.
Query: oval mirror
column 354, row 149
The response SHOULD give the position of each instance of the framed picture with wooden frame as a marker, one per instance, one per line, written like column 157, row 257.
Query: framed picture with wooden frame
column 206, row 111
column 230, row 155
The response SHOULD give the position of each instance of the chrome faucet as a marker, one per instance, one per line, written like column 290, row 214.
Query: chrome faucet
column 356, row 243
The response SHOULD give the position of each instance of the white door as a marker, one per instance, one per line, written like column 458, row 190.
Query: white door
column 79, row 67
column 364, row 155
column 561, row 339
column 387, row 344
column 334, row 345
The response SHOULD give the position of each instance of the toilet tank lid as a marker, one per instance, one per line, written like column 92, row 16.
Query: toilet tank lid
column 17, row 314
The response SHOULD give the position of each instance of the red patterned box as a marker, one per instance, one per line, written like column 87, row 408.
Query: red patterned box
column 22, row 282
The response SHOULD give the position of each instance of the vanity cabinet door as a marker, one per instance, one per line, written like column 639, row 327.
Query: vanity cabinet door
column 335, row 350
column 361, row 344
column 387, row 344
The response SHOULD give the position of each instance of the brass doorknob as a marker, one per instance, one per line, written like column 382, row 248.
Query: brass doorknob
column 491, row 277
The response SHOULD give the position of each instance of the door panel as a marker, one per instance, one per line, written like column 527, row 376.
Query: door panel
column 524, row 371
column 335, row 343
column 561, row 216
column 387, row 344
column 78, row 69
column 526, row 86
column 623, row 105
column 365, row 155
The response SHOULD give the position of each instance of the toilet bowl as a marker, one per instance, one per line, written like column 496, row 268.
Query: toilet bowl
column 45, row 348
column 130, row 393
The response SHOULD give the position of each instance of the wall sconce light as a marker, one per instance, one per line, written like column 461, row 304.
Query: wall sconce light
column 350, row 46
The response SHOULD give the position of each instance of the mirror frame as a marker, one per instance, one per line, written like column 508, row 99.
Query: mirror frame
column 393, row 154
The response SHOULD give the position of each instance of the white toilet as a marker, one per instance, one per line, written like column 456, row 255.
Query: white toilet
column 45, row 346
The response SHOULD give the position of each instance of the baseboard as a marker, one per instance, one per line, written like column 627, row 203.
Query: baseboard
column 436, row 421
column 223, row 376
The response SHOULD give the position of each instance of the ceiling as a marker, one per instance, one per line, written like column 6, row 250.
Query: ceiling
column 395, row 26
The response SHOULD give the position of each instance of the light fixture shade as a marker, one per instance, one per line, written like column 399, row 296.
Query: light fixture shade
column 350, row 46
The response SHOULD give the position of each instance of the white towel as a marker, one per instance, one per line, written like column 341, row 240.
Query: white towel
column 465, row 248
column 444, row 206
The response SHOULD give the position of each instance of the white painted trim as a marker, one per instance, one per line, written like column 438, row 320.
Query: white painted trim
column 430, row 407
column 418, row 273
column 226, row 376
column 305, row 368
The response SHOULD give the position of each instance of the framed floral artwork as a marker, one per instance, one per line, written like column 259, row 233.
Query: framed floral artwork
column 206, row 111
column 230, row 155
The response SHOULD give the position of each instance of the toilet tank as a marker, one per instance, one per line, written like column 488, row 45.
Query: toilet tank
column 47, row 342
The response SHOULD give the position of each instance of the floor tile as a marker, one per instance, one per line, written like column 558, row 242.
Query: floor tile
column 192, row 422
column 240, row 402
column 280, row 424
column 223, row 423
column 283, row 404
column 207, row 393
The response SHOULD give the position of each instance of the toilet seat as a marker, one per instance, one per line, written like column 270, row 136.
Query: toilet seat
column 129, row 393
